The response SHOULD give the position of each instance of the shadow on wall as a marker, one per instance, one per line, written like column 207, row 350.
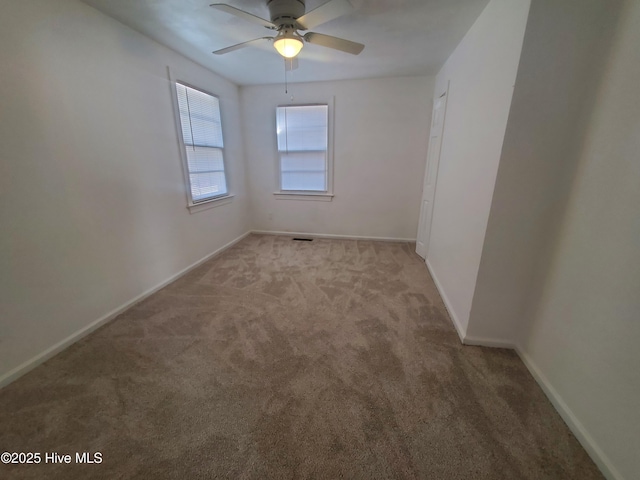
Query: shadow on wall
column 564, row 57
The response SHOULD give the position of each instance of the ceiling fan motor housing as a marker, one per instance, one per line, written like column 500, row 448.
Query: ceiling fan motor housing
column 285, row 12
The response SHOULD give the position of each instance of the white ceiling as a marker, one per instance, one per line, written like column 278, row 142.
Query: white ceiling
column 402, row 37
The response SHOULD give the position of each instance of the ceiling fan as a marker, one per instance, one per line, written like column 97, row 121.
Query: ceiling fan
column 288, row 17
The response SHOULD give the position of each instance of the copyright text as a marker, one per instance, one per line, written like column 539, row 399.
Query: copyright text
column 51, row 457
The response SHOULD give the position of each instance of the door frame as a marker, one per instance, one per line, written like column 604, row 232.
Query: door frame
column 424, row 252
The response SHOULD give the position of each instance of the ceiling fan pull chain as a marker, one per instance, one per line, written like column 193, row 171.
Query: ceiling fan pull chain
column 286, row 86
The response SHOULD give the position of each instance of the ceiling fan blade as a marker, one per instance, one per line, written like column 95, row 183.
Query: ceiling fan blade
column 238, row 46
column 334, row 42
column 290, row 64
column 324, row 13
column 242, row 14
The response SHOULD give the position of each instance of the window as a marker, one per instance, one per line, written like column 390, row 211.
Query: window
column 303, row 148
column 202, row 143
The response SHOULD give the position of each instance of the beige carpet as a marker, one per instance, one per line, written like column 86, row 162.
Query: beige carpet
column 282, row 359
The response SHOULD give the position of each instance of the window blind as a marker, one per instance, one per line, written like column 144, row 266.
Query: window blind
column 202, row 138
column 302, row 145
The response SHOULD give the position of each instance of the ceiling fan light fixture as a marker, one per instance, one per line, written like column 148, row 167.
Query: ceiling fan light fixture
column 288, row 45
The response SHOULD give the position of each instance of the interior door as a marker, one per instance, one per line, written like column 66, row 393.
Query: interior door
column 431, row 175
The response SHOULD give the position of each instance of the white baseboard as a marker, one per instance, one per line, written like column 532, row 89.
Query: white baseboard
column 588, row 443
column 447, row 303
column 30, row 364
column 464, row 338
column 488, row 342
column 593, row 450
column 328, row 235
column 585, row 439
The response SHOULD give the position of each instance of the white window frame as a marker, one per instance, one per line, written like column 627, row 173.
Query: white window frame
column 209, row 202
column 309, row 195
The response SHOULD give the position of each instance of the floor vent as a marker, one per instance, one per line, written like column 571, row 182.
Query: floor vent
column 303, row 239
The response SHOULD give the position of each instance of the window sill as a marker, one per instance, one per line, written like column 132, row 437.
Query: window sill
column 207, row 204
column 313, row 197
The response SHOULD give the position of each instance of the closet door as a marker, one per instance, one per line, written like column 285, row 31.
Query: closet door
column 431, row 175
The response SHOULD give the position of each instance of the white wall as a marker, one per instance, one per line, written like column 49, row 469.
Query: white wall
column 92, row 202
column 481, row 73
column 380, row 143
column 583, row 329
column 559, row 273
column 562, row 60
